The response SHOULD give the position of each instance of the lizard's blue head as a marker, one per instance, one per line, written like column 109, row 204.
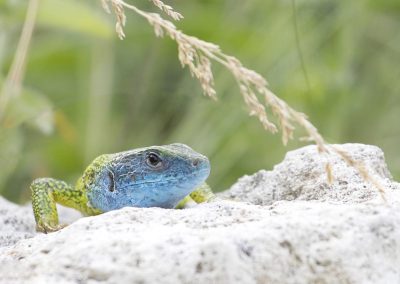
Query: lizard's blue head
column 157, row 176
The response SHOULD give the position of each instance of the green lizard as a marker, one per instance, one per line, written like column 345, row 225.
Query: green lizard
column 157, row 176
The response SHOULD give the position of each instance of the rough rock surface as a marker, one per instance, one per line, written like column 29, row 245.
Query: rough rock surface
column 341, row 233
column 302, row 176
column 16, row 223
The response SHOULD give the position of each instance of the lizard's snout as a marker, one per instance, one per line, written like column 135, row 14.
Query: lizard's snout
column 201, row 165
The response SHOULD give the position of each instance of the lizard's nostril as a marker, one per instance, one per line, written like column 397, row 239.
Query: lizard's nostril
column 195, row 162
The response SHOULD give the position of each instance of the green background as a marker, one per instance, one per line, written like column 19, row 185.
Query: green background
column 86, row 92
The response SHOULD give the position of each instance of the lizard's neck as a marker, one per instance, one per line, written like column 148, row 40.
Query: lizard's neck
column 85, row 183
column 85, row 207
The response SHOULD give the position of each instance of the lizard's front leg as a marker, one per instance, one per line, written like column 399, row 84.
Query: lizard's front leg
column 201, row 194
column 46, row 192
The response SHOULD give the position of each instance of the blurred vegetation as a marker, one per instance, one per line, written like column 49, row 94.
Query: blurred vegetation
column 85, row 92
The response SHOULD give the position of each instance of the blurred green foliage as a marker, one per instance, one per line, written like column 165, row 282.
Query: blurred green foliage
column 86, row 92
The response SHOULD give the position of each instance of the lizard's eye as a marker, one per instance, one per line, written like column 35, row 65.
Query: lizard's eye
column 154, row 160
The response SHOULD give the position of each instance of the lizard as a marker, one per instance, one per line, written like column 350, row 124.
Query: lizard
column 166, row 176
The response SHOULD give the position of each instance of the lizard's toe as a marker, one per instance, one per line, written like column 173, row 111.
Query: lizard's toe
column 47, row 228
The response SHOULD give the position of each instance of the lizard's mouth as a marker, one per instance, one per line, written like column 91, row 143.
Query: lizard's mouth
column 195, row 179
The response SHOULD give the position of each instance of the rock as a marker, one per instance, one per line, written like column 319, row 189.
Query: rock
column 302, row 176
column 16, row 223
column 224, row 242
column 314, row 238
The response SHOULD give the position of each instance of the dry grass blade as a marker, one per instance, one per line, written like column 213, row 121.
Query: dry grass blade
column 167, row 10
column 362, row 170
column 197, row 55
column 118, row 10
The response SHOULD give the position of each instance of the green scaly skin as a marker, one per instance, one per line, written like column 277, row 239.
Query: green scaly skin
column 200, row 195
column 46, row 192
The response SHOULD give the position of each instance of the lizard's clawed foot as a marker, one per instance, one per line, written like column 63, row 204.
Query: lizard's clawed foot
column 47, row 228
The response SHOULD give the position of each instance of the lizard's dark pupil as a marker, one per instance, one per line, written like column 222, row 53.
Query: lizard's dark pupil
column 153, row 160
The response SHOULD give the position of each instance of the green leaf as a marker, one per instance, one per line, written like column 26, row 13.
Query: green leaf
column 74, row 16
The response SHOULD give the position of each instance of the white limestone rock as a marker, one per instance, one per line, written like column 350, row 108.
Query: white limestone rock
column 16, row 223
column 302, row 176
column 343, row 237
